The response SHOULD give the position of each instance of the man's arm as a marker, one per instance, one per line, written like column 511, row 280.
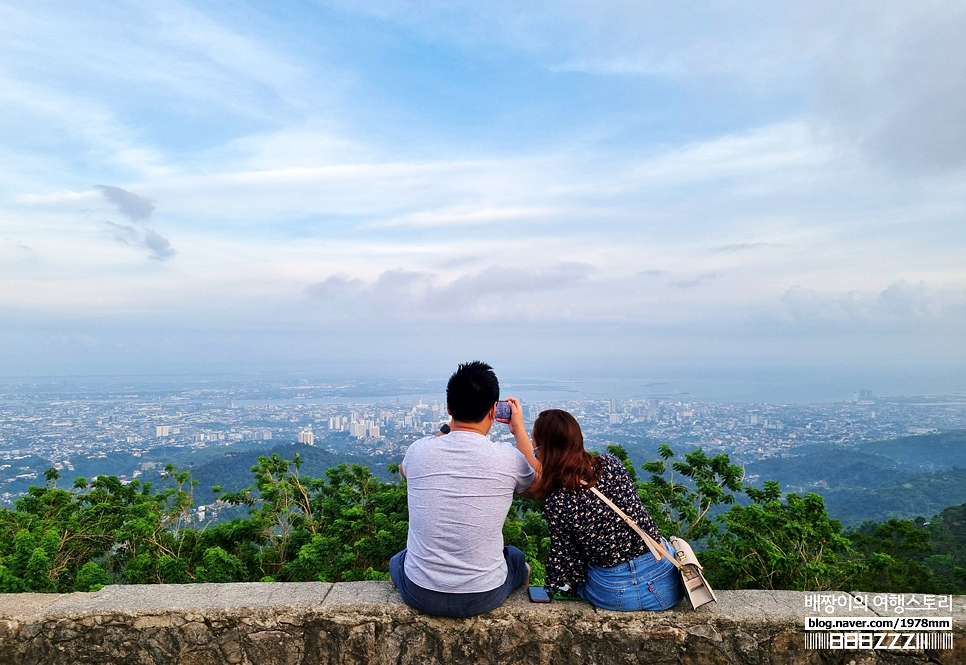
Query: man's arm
column 528, row 492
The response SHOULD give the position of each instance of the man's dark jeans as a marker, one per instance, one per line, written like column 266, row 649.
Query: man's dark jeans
column 459, row 605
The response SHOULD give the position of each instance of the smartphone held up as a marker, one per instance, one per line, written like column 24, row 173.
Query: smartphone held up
column 503, row 412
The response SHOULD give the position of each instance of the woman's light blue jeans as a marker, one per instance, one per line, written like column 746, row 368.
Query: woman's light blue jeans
column 639, row 584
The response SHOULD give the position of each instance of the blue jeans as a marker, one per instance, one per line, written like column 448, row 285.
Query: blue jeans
column 639, row 584
column 459, row 605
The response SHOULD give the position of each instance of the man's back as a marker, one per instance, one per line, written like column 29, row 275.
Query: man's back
column 460, row 488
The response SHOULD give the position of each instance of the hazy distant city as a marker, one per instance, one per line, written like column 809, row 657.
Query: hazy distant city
column 63, row 424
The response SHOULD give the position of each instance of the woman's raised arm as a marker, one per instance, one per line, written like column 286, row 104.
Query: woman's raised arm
column 519, row 432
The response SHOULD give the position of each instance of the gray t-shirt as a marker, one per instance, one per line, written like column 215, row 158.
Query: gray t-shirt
column 460, row 488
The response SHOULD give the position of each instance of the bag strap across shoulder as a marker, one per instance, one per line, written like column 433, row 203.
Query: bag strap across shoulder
column 656, row 549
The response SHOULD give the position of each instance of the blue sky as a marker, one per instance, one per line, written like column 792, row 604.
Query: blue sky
column 609, row 188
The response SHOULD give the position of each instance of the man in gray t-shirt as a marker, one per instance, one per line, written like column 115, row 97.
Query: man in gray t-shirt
column 460, row 486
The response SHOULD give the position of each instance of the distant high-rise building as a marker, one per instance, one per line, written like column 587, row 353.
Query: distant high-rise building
column 307, row 437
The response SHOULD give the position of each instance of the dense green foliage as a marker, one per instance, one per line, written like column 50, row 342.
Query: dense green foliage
column 790, row 542
column 291, row 526
column 343, row 527
column 680, row 495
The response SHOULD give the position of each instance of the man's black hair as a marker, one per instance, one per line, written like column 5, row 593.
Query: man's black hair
column 472, row 391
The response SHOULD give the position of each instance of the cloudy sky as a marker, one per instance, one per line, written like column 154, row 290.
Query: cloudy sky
column 617, row 188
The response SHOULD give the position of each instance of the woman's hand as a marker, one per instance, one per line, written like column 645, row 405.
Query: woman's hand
column 519, row 432
column 516, row 418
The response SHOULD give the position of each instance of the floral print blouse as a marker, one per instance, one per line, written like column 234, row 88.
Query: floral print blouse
column 586, row 531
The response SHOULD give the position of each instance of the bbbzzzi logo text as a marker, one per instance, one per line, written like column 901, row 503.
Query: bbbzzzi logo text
column 874, row 640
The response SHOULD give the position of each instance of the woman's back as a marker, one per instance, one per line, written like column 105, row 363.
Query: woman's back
column 585, row 531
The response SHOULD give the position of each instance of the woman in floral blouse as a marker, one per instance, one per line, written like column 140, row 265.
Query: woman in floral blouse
column 592, row 550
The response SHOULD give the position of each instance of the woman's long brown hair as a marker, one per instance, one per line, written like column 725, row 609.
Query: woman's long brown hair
column 561, row 453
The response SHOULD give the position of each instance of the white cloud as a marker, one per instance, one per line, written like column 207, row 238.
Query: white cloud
column 498, row 217
column 496, row 293
column 608, row 37
column 217, row 45
column 899, row 305
column 776, row 153
column 883, row 77
column 288, row 148
column 396, row 193
column 88, row 127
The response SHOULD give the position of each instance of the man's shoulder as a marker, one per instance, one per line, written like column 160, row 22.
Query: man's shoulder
column 425, row 441
column 419, row 449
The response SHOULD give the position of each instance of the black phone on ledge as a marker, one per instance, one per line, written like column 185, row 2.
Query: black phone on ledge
column 538, row 594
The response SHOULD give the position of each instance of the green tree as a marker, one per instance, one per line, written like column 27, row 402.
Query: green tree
column 895, row 553
column 680, row 494
column 363, row 522
column 772, row 544
column 220, row 566
column 526, row 529
column 92, row 577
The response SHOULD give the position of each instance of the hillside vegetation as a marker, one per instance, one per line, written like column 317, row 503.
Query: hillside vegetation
column 902, row 479
column 345, row 524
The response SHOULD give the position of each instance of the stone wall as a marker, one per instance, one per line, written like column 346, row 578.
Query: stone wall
column 366, row 623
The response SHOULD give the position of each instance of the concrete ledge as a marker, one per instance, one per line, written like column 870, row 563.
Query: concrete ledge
column 367, row 623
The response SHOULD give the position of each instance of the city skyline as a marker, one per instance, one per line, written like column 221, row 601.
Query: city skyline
column 217, row 429
column 624, row 190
